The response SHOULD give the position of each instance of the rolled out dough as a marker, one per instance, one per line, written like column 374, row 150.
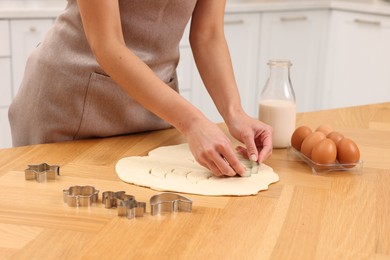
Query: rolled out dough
column 173, row 168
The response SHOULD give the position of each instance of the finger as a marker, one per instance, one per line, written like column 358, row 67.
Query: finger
column 266, row 151
column 215, row 170
column 242, row 150
column 233, row 162
column 221, row 163
column 212, row 167
column 224, row 166
column 251, row 148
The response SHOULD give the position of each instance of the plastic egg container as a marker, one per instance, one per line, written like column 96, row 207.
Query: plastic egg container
column 325, row 150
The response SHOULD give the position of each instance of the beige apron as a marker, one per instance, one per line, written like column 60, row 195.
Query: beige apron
column 65, row 95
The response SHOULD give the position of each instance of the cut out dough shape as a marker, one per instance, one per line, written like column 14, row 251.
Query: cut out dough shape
column 173, row 168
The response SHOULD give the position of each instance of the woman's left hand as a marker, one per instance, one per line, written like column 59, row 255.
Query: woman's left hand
column 256, row 135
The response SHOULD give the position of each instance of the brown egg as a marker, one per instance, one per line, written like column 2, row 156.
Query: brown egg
column 347, row 152
column 326, row 129
column 324, row 152
column 299, row 135
column 335, row 136
column 310, row 141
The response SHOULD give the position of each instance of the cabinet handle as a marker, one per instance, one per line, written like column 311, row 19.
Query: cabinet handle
column 293, row 18
column 361, row 21
column 33, row 29
column 234, row 22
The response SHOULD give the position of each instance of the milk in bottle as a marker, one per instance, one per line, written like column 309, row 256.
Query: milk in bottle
column 277, row 103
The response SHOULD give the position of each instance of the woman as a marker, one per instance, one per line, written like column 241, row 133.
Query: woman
column 108, row 68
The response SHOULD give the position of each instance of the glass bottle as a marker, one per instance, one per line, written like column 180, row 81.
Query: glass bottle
column 277, row 106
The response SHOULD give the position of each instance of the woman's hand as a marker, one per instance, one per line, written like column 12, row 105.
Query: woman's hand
column 213, row 61
column 256, row 136
column 213, row 150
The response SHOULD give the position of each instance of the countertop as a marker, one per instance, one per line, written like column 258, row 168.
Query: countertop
column 52, row 8
column 339, row 215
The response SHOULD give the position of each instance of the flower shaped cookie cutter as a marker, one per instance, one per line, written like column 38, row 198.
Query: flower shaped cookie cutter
column 80, row 196
column 42, row 172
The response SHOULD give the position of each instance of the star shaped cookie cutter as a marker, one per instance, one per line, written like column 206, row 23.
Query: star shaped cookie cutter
column 126, row 204
column 42, row 172
column 80, row 196
column 169, row 202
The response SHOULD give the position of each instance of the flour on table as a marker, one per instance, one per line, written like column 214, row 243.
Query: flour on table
column 173, row 168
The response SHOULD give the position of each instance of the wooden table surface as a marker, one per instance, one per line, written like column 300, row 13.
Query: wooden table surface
column 340, row 215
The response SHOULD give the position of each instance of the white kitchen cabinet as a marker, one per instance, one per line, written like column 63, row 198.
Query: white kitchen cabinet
column 5, row 64
column 4, row 36
column 25, row 36
column 5, row 101
column 359, row 55
column 5, row 132
column 184, row 72
column 299, row 36
column 186, row 66
column 5, row 82
column 241, row 31
column 18, row 38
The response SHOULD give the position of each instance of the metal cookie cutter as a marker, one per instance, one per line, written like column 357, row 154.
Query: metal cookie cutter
column 80, row 196
column 126, row 204
column 254, row 167
column 42, row 172
column 169, row 202
column 109, row 198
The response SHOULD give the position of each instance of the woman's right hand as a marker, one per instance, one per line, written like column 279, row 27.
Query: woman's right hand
column 213, row 150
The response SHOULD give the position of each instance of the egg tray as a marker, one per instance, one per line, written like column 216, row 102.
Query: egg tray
column 318, row 167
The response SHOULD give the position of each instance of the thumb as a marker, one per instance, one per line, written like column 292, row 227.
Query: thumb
column 251, row 148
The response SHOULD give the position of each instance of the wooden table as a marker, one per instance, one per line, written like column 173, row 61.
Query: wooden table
column 342, row 215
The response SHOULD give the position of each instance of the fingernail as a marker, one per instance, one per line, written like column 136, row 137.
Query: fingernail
column 253, row 158
column 246, row 174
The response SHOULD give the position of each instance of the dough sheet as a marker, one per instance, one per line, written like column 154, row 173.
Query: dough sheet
column 173, row 168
